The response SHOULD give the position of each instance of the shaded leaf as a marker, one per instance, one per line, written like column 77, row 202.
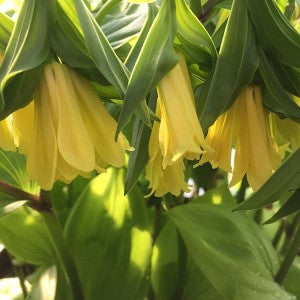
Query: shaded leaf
column 7, row 207
column 275, row 97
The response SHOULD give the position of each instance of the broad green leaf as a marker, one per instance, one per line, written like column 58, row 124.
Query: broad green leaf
column 165, row 263
column 275, row 32
column 115, row 232
column 194, row 38
column 32, row 31
column 275, row 97
column 286, row 178
column 291, row 206
column 230, row 250
column 157, row 57
column 25, row 236
column 45, row 288
column 235, row 66
column 6, row 28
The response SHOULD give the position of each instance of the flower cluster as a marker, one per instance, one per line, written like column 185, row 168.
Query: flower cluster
column 65, row 131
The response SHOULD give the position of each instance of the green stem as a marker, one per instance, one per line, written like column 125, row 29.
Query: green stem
column 240, row 196
column 291, row 254
column 63, row 253
column 278, row 234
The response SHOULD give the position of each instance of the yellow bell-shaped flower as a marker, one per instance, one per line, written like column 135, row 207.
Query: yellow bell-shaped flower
column 178, row 136
column 6, row 138
column 245, row 127
column 285, row 132
column 66, row 131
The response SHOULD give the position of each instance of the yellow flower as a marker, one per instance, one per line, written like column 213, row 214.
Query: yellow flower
column 177, row 136
column 6, row 139
column 285, row 132
column 245, row 126
column 66, row 130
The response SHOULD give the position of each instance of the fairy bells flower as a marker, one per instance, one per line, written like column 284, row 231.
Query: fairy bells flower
column 285, row 132
column 245, row 127
column 178, row 136
column 66, row 131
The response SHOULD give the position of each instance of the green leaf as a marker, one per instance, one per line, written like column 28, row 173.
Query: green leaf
column 291, row 206
column 7, row 207
column 32, row 31
column 275, row 96
column 123, row 22
column 115, row 232
column 275, row 32
column 230, row 250
column 165, row 263
column 291, row 282
column 45, row 288
column 136, row 49
column 217, row 196
column 194, row 38
column 6, row 28
column 157, row 57
column 235, row 66
column 25, row 236
column 140, row 141
column 286, row 178
column 13, row 171
column 100, row 50
column 198, row 287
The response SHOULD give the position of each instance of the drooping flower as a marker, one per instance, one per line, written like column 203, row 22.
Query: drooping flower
column 285, row 132
column 178, row 136
column 66, row 130
column 245, row 127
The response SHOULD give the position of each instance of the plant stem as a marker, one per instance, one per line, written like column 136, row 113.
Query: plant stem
column 291, row 254
column 20, row 274
column 240, row 196
column 63, row 253
column 278, row 234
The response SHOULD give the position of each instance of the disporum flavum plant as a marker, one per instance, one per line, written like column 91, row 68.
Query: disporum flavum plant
column 150, row 149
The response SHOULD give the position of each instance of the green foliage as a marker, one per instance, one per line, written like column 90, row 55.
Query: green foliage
column 116, row 236
column 99, row 237
column 230, row 250
column 235, row 66
column 19, row 66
